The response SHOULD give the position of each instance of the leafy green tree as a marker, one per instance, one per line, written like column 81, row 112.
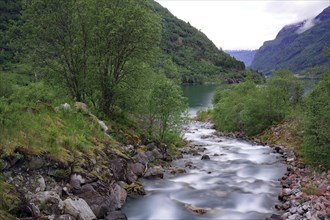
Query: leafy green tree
column 58, row 37
column 166, row 109
column 285, row 87
column 317, row 124
column 91, row 45
column 125, row 35
column 251, row 108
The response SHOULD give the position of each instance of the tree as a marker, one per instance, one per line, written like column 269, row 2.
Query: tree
column 125, row 35
column 58, row 38
column 91, row 45
column 251, row 108
column 166, row 108
column 317, row 124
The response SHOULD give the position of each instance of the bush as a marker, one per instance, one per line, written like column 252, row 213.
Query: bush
column 166, row 109
column 317, row 125
column 252, row 108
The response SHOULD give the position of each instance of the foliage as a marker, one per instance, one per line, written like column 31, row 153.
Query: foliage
column 166, row 109
column 252, row 108
column 317, row 124
column 90, row 45
column 204, row 115
column 9, row 17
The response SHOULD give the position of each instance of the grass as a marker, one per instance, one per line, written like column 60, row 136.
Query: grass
column 45, row 131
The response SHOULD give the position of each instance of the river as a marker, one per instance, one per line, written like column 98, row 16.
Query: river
column 240, row 181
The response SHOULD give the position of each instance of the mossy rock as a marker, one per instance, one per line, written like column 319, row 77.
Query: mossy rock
column 135, row 188
column 36, row 164
column 197, row 210
column 61, row 174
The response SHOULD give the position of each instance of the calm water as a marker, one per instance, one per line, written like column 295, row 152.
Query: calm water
column 199, row 96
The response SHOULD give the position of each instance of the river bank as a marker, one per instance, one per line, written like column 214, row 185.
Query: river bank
column 92, row 188
column 215, row 176
column 305, row 191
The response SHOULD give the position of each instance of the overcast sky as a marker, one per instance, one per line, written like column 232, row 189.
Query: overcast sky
column 243, row 24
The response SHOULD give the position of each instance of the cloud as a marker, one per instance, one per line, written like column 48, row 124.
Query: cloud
column 243, row 24
column 309, row 23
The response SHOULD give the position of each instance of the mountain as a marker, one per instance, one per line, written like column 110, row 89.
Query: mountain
column 296, row 46
column 243, row 55
column 195, row 56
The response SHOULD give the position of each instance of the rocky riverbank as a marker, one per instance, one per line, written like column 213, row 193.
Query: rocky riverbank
column 93, row 187
column 305, row 192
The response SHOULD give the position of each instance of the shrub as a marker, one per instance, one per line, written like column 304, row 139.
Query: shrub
column 317, row 124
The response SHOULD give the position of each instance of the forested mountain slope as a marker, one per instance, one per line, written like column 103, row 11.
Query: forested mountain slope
column 296, row 46
column 193, row 54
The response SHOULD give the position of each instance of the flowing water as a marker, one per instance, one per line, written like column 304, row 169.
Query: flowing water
column 240, row 181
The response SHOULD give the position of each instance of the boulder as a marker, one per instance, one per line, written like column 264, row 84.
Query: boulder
column 42, row 184
column 136, row 168
column 118, row 169
column 177, row 170
column 53, row 202
column 205, row 157
column 155, row 152
column 99, row 204
column 189, row 164
column 76, row 180
column 79, row 209
column 150, row 156
column 156, row 171
column 80, row 106
column 116, row 215
column 103, row 125
column 141, row 157
column 118, row 196
column 151, row 146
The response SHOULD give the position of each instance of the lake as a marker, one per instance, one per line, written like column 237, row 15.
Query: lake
column 199, row 96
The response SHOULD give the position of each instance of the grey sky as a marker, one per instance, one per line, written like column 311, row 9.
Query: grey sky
column 243, row 24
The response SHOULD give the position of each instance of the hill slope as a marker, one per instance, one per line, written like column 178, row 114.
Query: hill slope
column 296, row 46
column 195, row 56
column 243, row 55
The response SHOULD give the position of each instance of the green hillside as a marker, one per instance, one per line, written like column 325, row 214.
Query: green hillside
column 194, row 56
column 295, row 49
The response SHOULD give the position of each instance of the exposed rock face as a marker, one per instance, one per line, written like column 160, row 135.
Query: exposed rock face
column 85, row 186
column 79, row 209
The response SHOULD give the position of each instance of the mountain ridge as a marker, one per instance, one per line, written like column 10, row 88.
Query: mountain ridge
column 245, row 56
column 296, row 46
column 195, row 56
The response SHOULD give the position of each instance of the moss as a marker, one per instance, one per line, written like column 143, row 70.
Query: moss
column 9, row 203
column 61, row 174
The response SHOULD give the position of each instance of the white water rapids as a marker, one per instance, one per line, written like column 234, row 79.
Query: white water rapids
column 240, row 183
